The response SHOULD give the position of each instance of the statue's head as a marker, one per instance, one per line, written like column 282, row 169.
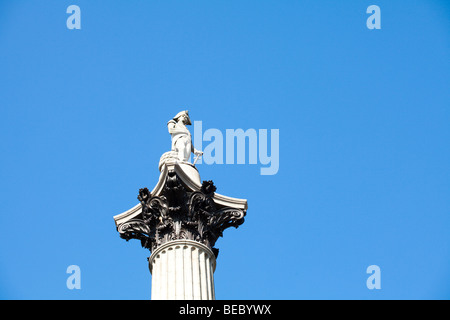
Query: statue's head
column 183, row 116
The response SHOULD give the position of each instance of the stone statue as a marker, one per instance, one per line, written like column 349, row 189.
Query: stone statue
column 181, row 137
column 180, row 220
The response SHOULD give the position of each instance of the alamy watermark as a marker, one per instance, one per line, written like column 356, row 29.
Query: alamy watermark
column 374, row 20
column 238, row 146
column 74, row 280
column 374, row 280
column 74, row 20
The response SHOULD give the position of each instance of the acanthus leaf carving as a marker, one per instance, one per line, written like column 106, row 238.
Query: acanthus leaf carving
column 180, row 214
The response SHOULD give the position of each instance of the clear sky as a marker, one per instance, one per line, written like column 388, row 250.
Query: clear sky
column 363, row 118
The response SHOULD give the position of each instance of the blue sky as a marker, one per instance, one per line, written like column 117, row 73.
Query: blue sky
column 363, row 117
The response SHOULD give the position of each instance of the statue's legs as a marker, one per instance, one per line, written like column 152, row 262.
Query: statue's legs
column 183, row 148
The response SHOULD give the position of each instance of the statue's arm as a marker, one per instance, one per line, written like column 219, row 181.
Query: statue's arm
column 171, row 125
column 195, row 151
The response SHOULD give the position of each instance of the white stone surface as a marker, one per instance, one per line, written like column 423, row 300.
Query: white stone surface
column 181, row 137
column 182, row 270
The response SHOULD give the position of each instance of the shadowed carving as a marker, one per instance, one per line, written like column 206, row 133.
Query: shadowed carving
column 178, row 213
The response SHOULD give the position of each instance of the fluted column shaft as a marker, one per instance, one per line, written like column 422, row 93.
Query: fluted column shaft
column 182, row 270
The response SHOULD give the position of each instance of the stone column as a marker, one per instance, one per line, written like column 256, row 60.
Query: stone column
column 180, row 222
column 182, row 270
